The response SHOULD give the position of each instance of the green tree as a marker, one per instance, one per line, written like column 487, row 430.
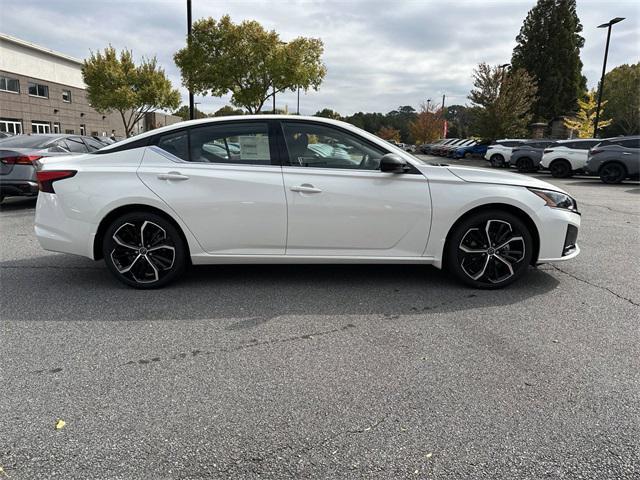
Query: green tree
column 183, row 112
column 115, row 83
column 328, row 113
column 228, row 110
column 247, row 61
column 459, row 120
column 548, row 48
column 622, row 93
column 503, row 100
column 584, row 120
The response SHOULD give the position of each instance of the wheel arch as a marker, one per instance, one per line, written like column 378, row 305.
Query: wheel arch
column 134, row 207
column 616, row 161
column 521, row 214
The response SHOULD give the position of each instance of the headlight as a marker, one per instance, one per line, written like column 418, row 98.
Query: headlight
column 556, row 199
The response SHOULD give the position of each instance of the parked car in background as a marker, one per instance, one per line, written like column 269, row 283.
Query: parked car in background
column 410, row 148
column 150, row 210
column 615, row 159
column 439, row 150
column 527, row 157
column 4, row 135
column 499, row 153
column 18, row 154
column 449, row 151
column 426, row 148
column 566, row 157
column 478, row 149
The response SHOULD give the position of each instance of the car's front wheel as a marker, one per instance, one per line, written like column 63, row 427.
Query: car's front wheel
column 496, row 160
column 524, row 165
column 144, row 250
column 560, row 169
column 490, row 249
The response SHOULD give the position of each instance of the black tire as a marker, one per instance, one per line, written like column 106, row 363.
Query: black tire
column 560, row 169
column 487, row 269
column 496, row 160
column 161, row 259
column 1, row 198
column 613, row 173
column 524, row 165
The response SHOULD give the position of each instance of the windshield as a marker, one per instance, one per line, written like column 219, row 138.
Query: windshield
column 25, row 141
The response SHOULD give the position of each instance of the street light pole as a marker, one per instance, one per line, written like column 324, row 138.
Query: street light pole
column 428, row 102
column 192, row 110
column 298, row 109
column 609, row 24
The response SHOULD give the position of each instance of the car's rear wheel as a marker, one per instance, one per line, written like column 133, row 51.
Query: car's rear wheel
column 143, row 250
column 496, row 160
column 524, row 165
column 490, row 249
column 560, row 169
column 613, row 173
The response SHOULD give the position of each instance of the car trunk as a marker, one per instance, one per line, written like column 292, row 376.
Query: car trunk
column 8, row 155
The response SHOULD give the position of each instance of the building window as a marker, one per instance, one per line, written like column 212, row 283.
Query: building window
column 38, row 90
column 56, row 127
column 94, row 134
column 9, row 84
column 70, row 130
column 10, row 126
column 66, row 96
column 83, row 129
column 40, row 127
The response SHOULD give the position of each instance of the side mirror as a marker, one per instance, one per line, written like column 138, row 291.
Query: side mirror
column 393, row 163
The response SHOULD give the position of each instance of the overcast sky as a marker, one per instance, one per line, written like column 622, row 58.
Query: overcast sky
column 379, row 54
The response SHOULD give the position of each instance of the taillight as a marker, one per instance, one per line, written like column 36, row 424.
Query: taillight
column 20, row 159
column 47, row 177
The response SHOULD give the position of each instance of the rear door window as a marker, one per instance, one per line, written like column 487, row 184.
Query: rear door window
column 175, row 143
column 631, row 143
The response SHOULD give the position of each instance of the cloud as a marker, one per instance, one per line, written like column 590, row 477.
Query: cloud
column 379, row 54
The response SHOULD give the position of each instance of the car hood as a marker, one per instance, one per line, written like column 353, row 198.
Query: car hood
column 483, row 175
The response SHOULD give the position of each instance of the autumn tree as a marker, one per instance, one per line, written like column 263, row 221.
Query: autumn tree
column 548, row 49
column 622, row 93
column 115, row 83
column 584, row 120
column 247, row 61
column 503, row 100
column 427, row 126
column 389, row 133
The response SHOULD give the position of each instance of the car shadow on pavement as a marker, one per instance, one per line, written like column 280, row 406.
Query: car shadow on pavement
column 18, row 203
column 78, row 289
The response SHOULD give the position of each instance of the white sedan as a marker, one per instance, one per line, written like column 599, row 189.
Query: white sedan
column 156, row 203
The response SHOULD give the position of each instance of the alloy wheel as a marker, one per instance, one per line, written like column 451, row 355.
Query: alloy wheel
column 142, row 251
column 489, row 252
column 612, row 173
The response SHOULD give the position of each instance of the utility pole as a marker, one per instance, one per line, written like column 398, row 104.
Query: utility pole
column 192, row 110
column 609, row 24
column 274, row 99
column 298, row 109
column 428, row 102
column 443, row 95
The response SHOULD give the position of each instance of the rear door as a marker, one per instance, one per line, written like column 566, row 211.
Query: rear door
column 224, row 181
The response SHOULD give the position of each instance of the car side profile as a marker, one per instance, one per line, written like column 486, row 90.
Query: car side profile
column 153, row 204
column 566, row 157
column 615, row 159
column 499, row 153
column 527, row 157
column 479, row 149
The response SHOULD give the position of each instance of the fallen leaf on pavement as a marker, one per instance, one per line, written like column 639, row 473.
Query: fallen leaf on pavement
column 60, row 424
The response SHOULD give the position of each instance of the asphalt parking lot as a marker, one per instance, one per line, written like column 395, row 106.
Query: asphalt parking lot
column 325, row 371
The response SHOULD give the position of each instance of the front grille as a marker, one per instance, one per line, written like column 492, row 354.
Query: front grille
column 570, row 240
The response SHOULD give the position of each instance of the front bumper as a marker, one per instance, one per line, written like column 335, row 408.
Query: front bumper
column 18, row 188
column 558, row 235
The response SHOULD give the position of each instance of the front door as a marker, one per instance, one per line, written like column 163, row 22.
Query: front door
column 341, row 204
column 220, row 180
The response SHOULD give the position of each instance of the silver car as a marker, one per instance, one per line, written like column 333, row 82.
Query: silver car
column 615, row 159
column 18, row 154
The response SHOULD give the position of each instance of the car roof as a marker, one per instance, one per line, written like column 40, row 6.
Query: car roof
column 571, row 140
column 207, row 121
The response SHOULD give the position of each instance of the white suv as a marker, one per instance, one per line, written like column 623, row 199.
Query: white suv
column 499, row 153
column 567, row 157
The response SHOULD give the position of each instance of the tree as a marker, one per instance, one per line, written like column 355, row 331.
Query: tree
column 389, row 133
column 247, row 61
column 548, row 48
column 183, row 112
column 427, row 126
column 503, row 101
column 585, row 118
column 328, row 113
column 115, row 83
column 622, row 93
column 459, row 119
column 228, row 110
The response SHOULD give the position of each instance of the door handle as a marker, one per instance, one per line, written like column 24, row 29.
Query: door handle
column 172, row 176
column 305, row 188
column 626, row 153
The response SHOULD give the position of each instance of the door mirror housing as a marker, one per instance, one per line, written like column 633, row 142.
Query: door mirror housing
column 392, row 163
